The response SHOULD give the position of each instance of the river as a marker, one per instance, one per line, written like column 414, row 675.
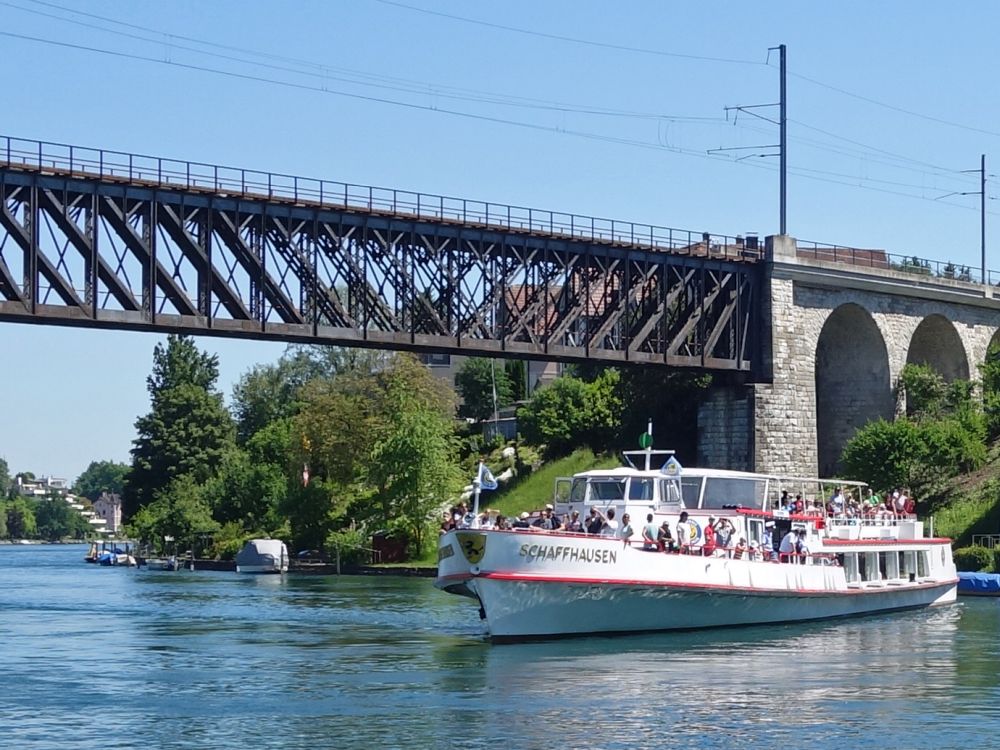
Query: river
column 101, row 658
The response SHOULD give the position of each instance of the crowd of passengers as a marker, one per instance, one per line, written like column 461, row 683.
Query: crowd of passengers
column 717, row 538
column 871, row 506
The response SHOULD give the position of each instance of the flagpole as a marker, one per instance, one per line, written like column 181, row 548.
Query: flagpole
column 477, row 484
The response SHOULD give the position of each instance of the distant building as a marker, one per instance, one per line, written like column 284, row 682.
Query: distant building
column 41, row 487
column 108, row 507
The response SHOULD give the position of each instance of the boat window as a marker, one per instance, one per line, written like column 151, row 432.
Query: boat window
column 721, row 492
column 872, row 572
column 691, row 491
column 922, row 564
column 607, row 489
column 640, row 489
column 851, row 570
column 892, row 565
column 669, row 492
column 579, row 492
column 883, row 567
column 909, row 565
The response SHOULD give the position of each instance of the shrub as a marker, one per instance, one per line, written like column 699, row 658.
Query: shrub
column 973, row 559
column 353, row 545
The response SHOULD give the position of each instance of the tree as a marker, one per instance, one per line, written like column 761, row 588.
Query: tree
column 101, row 476
column 670, row 399
column 475, row 382
column 178, row 510
column 556, row 415
column 414, row 471
column 56, row 520
column 4, row 478
column 246, row 492
column 187, row 430
column 21, row 519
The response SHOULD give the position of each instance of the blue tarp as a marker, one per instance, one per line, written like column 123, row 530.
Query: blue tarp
column 979, row 584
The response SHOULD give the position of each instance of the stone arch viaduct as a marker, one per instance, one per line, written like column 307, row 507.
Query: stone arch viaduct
column 839, row 336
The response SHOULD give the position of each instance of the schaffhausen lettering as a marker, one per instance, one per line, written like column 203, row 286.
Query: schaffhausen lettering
column 544, row 552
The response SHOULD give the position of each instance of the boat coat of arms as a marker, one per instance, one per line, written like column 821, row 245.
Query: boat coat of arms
column 472, row 544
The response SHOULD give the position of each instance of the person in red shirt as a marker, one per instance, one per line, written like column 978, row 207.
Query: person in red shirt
column 708, row 547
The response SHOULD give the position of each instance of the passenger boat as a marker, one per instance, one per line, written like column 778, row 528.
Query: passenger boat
column 534, row 584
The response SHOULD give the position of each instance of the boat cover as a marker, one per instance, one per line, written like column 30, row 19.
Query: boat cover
column 979, row 584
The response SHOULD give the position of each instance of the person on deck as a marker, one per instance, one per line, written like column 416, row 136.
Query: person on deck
column 650, row 534
column 708, row 546
column 610, row 527
column 625, row 531
column 664, row 538
column 574, row 525
column 683, row 534
column 786, row 550
column 595, row 522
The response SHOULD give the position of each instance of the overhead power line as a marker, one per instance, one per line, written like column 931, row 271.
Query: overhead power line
column 570, row 39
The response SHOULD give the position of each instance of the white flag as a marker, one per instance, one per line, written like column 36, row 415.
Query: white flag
column 486, row 479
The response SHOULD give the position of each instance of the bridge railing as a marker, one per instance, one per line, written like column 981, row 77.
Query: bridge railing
column 872, row 258
column 190, row 175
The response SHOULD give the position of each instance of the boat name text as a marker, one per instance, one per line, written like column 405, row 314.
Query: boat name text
column 536, row 552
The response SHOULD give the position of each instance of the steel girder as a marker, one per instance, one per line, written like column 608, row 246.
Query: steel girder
column 94, row 251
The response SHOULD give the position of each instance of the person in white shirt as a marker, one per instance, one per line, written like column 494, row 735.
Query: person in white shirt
column 786, row 550
column 684, row 534
column 625, row 532
column 610, row 527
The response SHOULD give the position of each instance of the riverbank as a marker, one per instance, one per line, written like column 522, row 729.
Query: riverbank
column 327, row 569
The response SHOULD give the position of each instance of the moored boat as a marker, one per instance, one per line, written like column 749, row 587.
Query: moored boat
column 263, row 556
column 534, row 584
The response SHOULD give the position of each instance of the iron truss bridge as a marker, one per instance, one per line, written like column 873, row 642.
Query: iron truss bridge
column 105, row 239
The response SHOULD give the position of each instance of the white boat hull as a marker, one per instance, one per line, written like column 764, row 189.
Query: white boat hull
column 533, row 585
column 526, row 609
column 261, row 569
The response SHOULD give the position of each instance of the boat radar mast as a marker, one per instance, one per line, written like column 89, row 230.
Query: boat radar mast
column 646, row 443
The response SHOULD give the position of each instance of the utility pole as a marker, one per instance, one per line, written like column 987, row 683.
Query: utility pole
column 982, row 214
column 783, row 142
column 781, row 145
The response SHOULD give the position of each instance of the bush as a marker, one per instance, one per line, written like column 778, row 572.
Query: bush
column 352, row 544
column 973, row 559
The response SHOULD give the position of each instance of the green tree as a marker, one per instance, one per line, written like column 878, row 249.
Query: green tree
column 3, row 518
column 556, row 415
column 667, row 397
column 4, row 478
column 922, row 390
column 178, row 510
column 884, row 454
column 414, row 471
column 21, row 519
column 517, row 373
column 56, row 520
column 247, row 492
column 101, row 476
column 187, row 430
column 475, row 382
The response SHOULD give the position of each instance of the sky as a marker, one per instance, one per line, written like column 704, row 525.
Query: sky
column 611, row 110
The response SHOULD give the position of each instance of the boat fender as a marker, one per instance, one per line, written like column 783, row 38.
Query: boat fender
column 474, row 570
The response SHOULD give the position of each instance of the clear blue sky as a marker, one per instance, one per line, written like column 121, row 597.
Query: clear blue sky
column 888, row 103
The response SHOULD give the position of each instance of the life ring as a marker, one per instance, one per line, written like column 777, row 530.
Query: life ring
column 695, row 533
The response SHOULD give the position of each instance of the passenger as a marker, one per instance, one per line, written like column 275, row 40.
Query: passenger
column 798, row 506
column 899, row 503
column 502, row 524
column 650, row 534
column 521, row 522
column 753, row 552
column 548, row 520
column 610, row 527
column 800, row 546
column 683, row 534
column 708, row 546
column 664, row 539
column 625, row 531
column 786, row 550
column 838, row 501
column 447, row 523
column 595, row 523
column 574, row 525
column 784, row 501
column 740, row 549
column 724, row 531
column 767, row 540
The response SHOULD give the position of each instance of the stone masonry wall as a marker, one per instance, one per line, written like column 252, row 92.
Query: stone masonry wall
column 725, row 429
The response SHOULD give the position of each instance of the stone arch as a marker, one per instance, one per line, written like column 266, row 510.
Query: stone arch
column 936, row 343
column 853, row 384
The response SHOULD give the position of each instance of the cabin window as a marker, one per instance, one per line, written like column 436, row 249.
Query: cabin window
column 922, row 565
column 892, row 565
column 871, row 566
column 640, row 489
column 851, row 568
column 721, row 492
column 579, row 492
column 756, row 532
column 909, row 565
column 883, row 566
column 607, row 489
column 670, row 491
column 691, row 491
